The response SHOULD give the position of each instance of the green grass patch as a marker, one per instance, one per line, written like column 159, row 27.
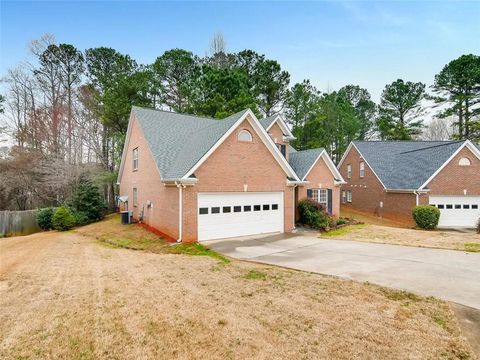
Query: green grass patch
column 343, row 230
column 440, row 321
column 133, row 243
column 472, row 247
column 255, row 275
column 399, row 295
column 196, row 249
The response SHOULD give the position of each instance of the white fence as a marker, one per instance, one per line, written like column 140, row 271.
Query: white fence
column 13, row 223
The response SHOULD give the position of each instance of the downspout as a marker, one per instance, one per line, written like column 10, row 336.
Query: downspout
column 180, row 211
column 294, row 208
column 417, row 194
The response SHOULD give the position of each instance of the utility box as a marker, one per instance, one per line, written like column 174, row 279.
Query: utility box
column 125, row 216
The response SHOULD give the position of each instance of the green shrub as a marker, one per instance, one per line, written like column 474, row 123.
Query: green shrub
column 63, row 219
column 80, row 218
column 87, row 200
column 44, row 218
column 426, row 216
column 313, row 214
column 342, row 221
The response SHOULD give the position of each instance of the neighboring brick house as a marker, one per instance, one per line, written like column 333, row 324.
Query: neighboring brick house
column 388, row 178
column 194, row 178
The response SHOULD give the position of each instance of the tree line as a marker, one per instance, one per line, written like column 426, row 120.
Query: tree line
column 67, row 111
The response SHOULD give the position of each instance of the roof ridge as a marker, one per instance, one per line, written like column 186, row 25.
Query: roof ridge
column 175, row 113
column 218, row 120
column 300, row 151
column 431, row 147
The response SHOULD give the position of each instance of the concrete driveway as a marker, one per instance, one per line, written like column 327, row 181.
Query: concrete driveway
column 446, row 274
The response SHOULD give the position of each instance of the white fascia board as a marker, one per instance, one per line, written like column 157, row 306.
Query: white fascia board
column 407, row 191
column 267, row 140
column 345, row 154
column 331, row 166
column 283, row 126
column 189, row 181
column 299, row 183
column 125, row 146
column 473, row 149
column 467, row 144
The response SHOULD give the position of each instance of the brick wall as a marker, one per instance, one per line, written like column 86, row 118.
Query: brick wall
column 276, row 134
column 368, row 194
column 453, row 179
column 321, row 177
column 230, row 167
column 163, row 215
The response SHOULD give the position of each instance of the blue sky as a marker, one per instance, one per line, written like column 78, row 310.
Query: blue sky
column 330, row 43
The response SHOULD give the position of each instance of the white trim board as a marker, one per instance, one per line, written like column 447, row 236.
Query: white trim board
column 125, row 146
column 283, row 126
column 331, row 166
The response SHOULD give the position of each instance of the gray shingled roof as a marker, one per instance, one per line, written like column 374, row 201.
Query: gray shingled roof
column 179, row 141
column 406, row 164
column 266, row 122
column 302, row 161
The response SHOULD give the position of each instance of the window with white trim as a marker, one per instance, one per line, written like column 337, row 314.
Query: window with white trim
column 135, row 197
column 349, row 196
column 135, row 159
column 362, row 169
column 320, row 195
column 464, row 161
column 244, row 135
column 344, row 196
column 349, row 171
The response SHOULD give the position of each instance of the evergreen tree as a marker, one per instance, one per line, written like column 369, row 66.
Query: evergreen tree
column 400, row 110
column 365, row 108
column 87, row 200
column 459, row 85
column 302, row 107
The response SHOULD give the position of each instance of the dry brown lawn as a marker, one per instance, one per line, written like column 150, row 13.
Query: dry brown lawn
column 67, row 296
column 371, row 219
column 410, row 237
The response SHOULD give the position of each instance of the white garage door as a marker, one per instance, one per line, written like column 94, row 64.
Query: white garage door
column 224, row 215
column 457, row 211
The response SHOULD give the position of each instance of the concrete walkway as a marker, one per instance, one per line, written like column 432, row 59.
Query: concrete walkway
column 445, row 274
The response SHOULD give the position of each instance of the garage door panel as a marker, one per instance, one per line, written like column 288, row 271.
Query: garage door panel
column 457, row 211
column 241, row 223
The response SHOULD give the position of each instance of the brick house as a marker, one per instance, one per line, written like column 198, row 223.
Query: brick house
column 388, row 178
column 195, row 179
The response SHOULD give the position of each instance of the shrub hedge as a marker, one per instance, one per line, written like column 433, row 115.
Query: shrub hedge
column 313, row 214
column 63, row 219
column 426, row 216
column 44, row 218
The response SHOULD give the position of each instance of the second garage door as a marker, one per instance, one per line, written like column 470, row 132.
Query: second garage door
column 230, row 214
column 457, row 211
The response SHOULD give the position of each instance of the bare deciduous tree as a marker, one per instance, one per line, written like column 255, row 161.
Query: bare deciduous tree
column 438, row 130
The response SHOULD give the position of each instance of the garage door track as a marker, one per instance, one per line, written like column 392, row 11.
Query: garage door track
column 446, row 274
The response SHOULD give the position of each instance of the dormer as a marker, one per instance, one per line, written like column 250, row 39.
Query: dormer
column 279, row 132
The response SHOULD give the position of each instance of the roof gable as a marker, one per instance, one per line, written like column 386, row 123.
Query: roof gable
column 180, row 143
column 406, row 165
column 304, row 161
column 268, row 122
